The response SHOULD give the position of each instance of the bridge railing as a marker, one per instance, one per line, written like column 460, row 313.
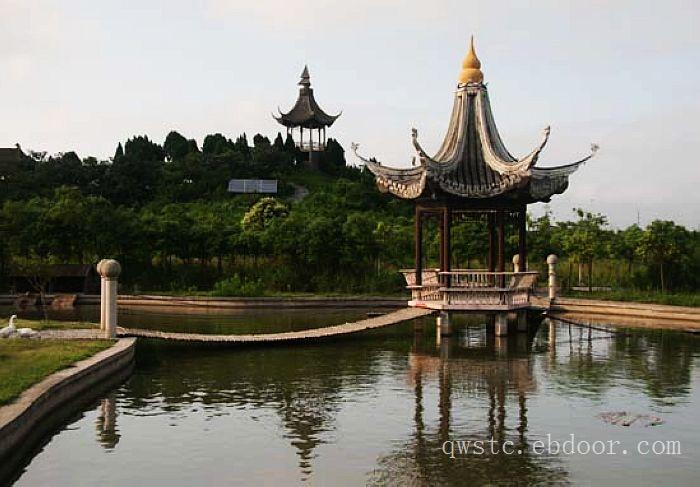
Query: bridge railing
column 314, row 146
column 472, row 288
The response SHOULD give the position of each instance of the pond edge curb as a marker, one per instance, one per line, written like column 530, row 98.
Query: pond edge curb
column 19, row 418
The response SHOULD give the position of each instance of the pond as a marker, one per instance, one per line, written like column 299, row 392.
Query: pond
column 206, row 320
column 389, row 407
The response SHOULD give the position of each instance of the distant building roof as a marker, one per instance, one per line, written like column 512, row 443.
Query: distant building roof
column 268, row 186
column 10, row 158
column 10, row 154
column 306, row 113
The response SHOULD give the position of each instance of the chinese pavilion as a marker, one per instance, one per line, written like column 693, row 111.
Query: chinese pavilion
column 472, row 175
column 307, row 114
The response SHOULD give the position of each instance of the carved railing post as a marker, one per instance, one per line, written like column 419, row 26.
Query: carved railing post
column 552, row 263
column 110, row 270
column 516, row 263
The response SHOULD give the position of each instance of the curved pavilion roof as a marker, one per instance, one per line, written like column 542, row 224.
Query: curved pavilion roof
column 473, row 162
column 306, row 113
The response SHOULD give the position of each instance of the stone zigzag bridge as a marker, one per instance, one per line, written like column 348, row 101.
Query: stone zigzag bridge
column 302, row 335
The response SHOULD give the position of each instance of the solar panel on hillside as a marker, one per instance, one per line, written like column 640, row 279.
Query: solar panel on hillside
column 268, row 186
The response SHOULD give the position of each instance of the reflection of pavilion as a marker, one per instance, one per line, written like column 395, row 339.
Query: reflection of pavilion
column 477, row 371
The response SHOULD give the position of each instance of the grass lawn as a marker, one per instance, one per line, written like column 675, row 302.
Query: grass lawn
column 675, row 299
column 23, row 363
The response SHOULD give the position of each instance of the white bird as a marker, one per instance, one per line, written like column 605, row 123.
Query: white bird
column 27, row 333
column 9, row 330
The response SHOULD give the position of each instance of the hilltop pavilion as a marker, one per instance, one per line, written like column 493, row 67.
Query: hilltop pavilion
column 307, row 114
column 472, row 175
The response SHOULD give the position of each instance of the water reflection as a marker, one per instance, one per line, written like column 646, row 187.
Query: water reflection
column 204, row 320
column 500, row 370
column 106, row 423
column 379, row 407
column 598, row 359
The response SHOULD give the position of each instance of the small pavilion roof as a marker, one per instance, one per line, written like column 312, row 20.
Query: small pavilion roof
column 473, row 162
column 10, row 154
column 306, row 112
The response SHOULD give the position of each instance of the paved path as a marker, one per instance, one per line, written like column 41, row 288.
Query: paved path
column 300, row 192
column 315, row 333
column 72, row 334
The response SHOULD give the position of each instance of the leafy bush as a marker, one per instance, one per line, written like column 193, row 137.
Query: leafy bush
column 235, row 286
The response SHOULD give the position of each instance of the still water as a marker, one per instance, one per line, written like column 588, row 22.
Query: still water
column 381, row 408
column 202, row 320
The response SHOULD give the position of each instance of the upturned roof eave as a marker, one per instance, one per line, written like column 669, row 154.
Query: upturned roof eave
column 306, row 113
column 473, row 162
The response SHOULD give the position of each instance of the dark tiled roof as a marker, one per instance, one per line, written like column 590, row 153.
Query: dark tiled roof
column 10, row 154
column 306, row 112
column 473, row 162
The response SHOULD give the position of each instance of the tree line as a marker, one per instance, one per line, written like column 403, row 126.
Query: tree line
column 164, row 211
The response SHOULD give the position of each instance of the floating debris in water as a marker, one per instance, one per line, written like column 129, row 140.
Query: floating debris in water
column 624, row 418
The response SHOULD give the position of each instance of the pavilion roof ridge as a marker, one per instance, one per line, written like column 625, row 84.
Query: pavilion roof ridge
column 472, row 161
column 306, row 111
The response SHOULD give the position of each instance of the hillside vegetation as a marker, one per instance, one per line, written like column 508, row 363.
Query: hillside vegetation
column 165, row 213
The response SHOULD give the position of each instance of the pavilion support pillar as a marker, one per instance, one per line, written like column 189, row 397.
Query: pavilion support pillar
column 500, row 247
column 491, row 260
column 552, row 273
column 491, row 264
column 418, row 246
column 522, row 240
column 501, row 324
column 444, row 323
column 522, row 320
column 445, row 244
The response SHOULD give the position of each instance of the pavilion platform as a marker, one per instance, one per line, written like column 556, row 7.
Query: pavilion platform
column 471, row 290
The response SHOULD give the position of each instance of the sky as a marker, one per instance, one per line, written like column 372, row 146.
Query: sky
column 84, row 75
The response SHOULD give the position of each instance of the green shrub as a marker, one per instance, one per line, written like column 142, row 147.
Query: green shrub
column 235, row 286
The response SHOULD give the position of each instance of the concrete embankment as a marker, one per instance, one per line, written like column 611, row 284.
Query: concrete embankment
column 26, row 421
column 624, row 313
column 643, row 314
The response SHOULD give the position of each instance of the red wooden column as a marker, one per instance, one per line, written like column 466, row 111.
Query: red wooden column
column 501, row 246
column 418, row 246
column 522, row 239
column 445, row 243
column 491, row 265
column 441, row 234
column 491, row 220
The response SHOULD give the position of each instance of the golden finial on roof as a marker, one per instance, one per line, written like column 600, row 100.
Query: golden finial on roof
column 471, row 67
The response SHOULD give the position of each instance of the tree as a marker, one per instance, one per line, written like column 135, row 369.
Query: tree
column 140, row 148
column 216, row 144
column 662, row 244
column 278, row 144
column 176, row 146
column 625, row 244
column 584, row 240
column 333, row 158
column 241, row 145
column 262, row 213
column 261, row 142
column 119, row 153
